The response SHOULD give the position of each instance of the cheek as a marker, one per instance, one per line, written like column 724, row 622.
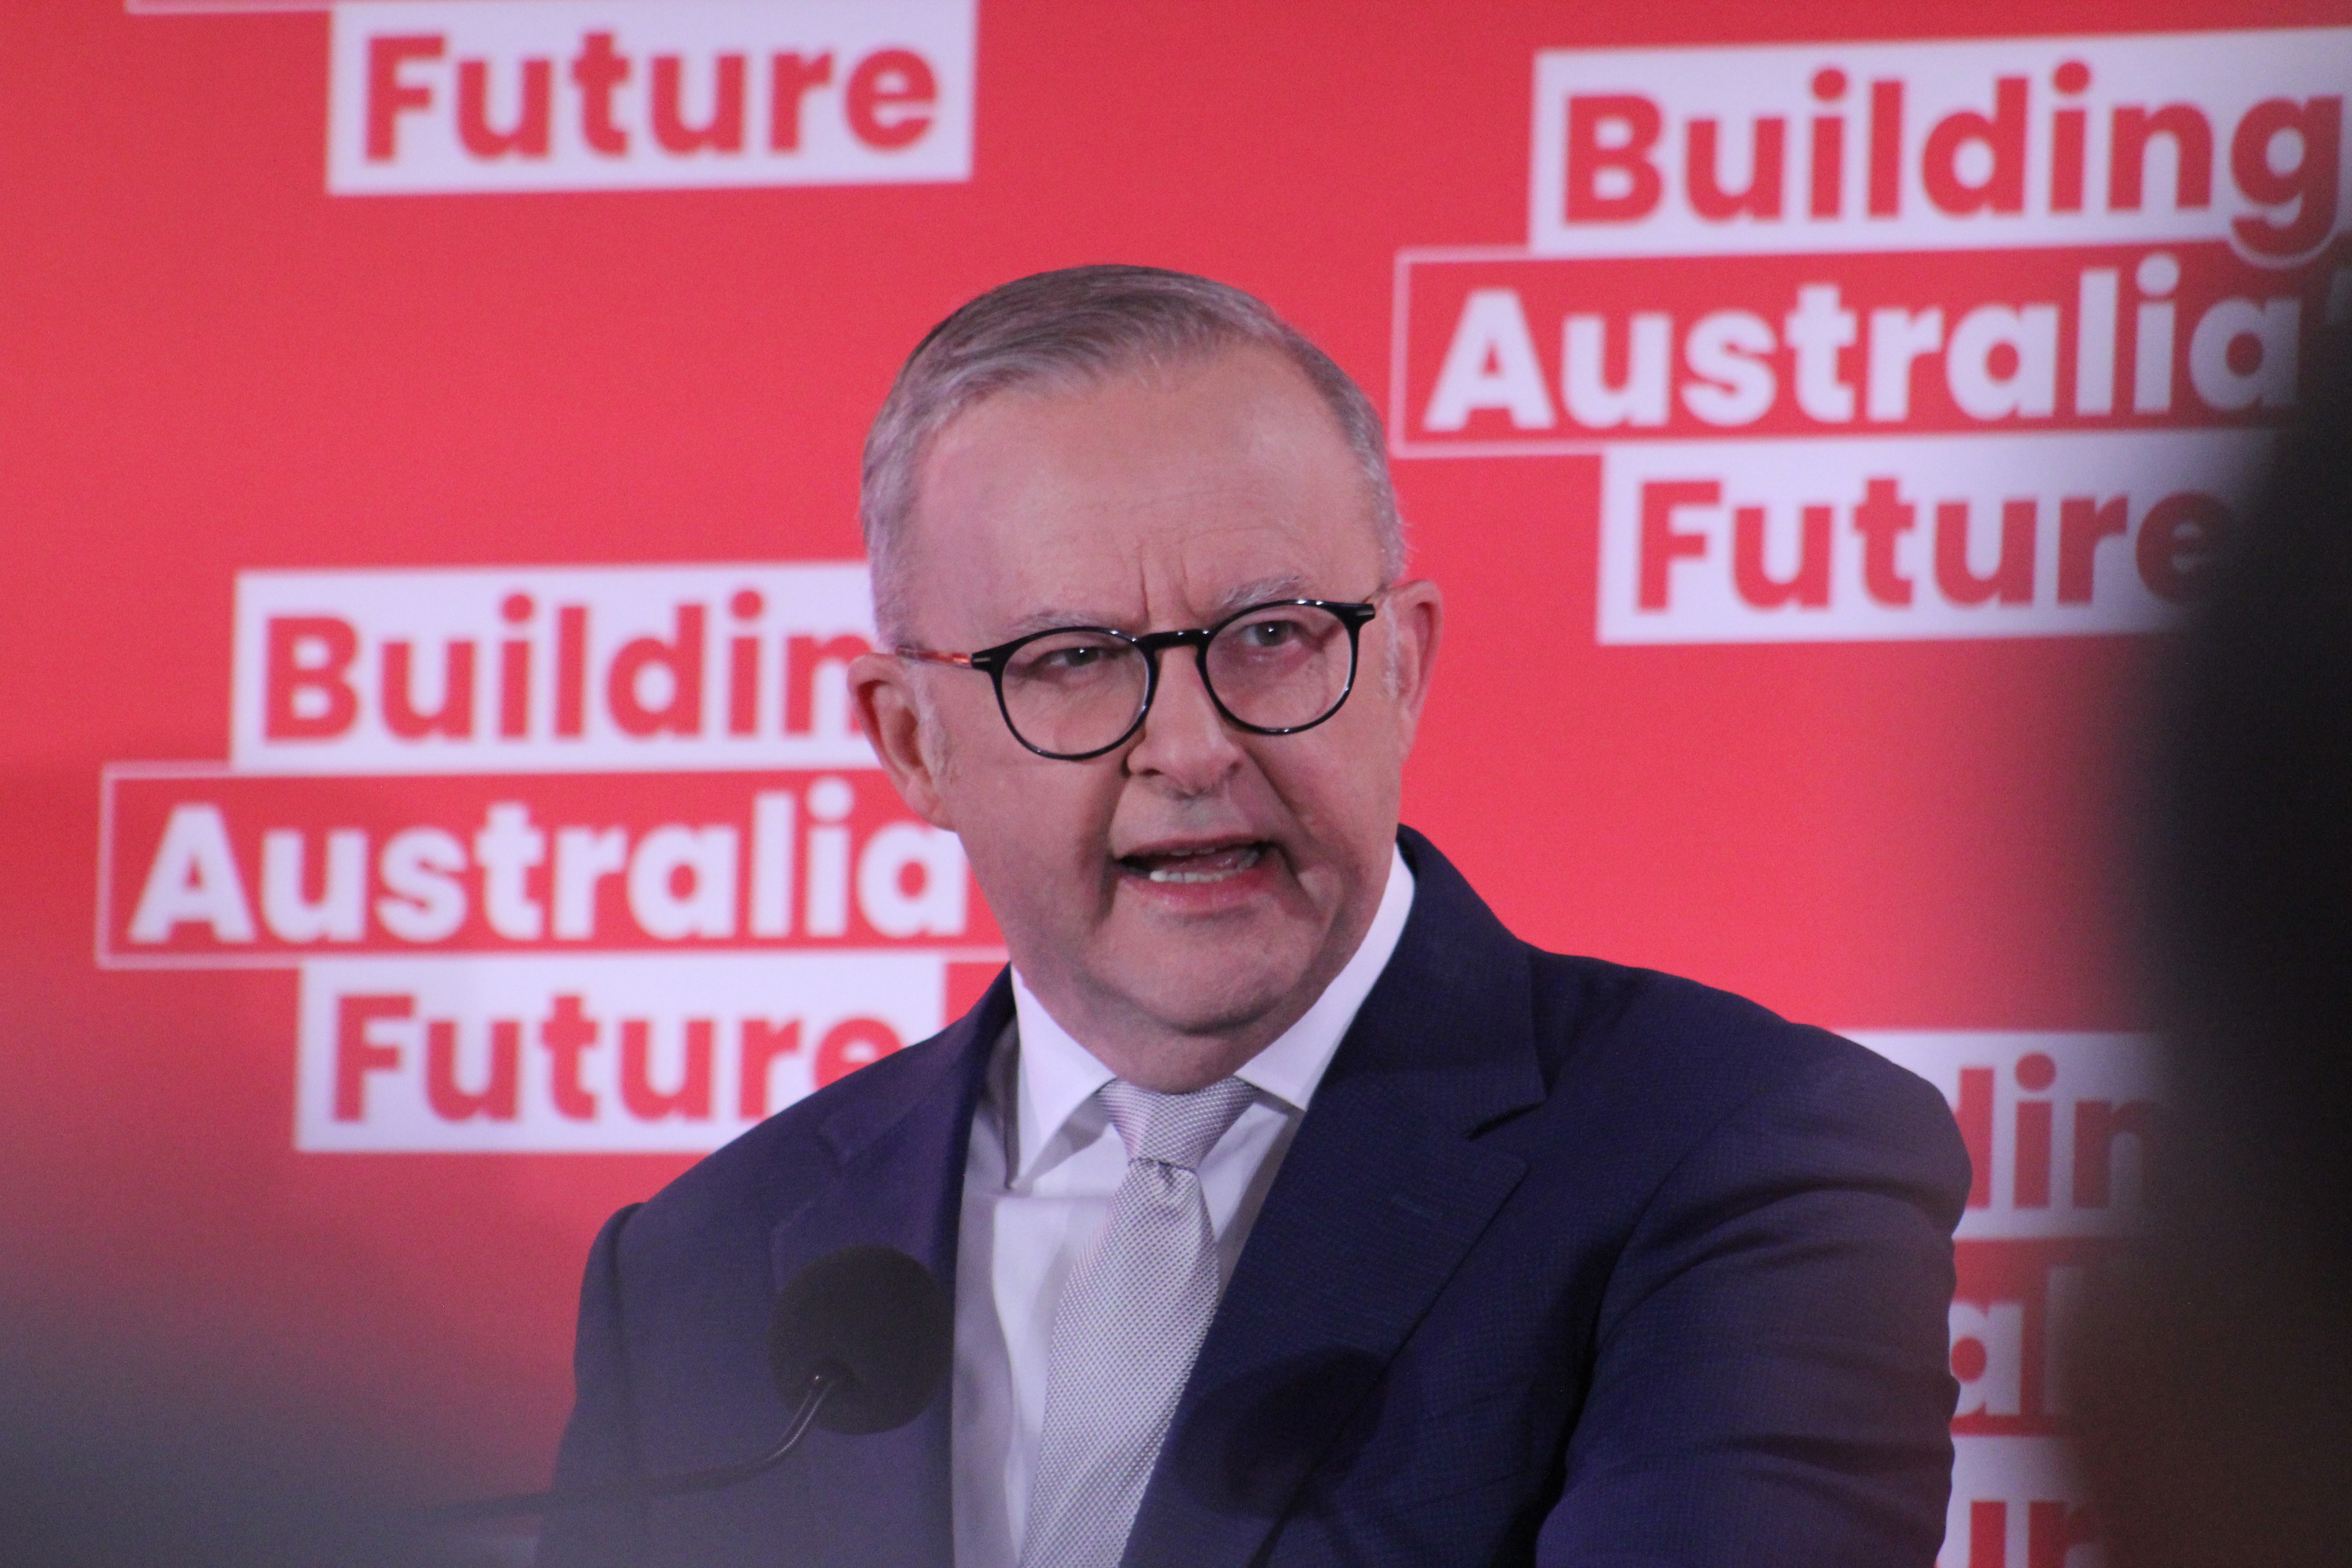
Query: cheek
column 1339, row 779
column 1368, row 738
column 1031, row 818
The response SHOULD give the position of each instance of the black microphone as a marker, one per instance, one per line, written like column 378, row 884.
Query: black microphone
column 859, row 1342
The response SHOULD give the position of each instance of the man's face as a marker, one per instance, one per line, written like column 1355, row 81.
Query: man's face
column 1180, row 900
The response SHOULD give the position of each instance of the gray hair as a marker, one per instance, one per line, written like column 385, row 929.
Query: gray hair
column 1064, row 328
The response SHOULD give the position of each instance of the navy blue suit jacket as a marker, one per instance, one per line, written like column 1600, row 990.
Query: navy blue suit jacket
column 1569, row 1264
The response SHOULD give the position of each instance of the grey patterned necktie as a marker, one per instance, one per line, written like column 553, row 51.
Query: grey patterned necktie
column 1130, row 1322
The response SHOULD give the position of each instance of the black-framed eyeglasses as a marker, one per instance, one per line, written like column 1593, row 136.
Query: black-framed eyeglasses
column 1076, row 692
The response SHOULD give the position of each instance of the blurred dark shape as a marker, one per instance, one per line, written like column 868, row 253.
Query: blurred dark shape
column 115, row 1457
column 2218, row 1373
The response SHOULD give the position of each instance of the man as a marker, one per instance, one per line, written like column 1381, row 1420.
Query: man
column 1294, row 1211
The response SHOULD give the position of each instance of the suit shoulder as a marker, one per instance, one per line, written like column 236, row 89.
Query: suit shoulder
column 1687, row 1033
column 1586, row 1001
column 763, row 1175
column 1682, row 1066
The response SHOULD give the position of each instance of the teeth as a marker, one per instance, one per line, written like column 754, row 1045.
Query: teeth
column 1242, row 862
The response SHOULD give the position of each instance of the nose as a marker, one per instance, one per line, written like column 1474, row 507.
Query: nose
column 1186, row 743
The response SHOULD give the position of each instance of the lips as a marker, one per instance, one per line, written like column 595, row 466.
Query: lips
column 1200, row 864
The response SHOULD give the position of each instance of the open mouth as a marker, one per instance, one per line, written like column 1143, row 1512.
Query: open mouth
column 1210, row 863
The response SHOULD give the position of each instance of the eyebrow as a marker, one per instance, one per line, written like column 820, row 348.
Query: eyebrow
column 1290, row 585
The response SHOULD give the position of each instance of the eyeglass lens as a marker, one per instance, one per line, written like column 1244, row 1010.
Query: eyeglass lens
column 1281, row 667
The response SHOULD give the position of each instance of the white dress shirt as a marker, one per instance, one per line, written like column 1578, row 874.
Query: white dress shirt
column 1037, row 1186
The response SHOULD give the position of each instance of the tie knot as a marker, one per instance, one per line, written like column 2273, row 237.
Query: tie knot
column 1175, row 1128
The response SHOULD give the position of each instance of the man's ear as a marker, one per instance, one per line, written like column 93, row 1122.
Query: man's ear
column 1415, row 614
column 881, row 689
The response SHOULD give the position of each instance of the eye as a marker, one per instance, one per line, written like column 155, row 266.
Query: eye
column 1269, row 634
column 1067, row 658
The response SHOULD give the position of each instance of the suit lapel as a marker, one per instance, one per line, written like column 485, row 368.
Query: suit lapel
column 1381, row 1195
column 899, row 1181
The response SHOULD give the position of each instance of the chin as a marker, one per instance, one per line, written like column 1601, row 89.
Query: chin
column 1210, row 995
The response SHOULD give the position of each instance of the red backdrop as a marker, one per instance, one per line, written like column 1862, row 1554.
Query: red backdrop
column 274, row 349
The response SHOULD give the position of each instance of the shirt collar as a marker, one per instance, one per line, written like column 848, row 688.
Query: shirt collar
column 1056, row 1076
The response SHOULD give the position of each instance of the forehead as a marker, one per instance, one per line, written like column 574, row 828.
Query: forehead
column 1146, row 489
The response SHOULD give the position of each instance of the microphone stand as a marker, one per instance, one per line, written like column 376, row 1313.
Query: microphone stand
column 641, row 1487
